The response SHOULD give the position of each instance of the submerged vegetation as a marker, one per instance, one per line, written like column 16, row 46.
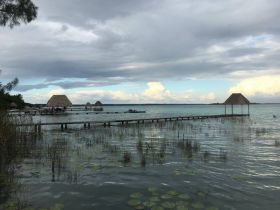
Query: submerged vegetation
column 277, row 143
column 102, row 156
column 160, row 199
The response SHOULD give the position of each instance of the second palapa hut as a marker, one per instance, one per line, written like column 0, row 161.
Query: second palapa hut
column 237, row 99
column 98, row 106
column 88, row 106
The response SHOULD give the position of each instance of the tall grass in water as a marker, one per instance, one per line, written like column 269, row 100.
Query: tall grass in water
column 15, row 144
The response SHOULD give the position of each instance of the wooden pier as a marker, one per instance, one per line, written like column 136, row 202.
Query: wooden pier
column 89, row 124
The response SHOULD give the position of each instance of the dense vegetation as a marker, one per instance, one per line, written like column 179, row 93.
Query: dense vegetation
column 13, row 12
column 7, row 100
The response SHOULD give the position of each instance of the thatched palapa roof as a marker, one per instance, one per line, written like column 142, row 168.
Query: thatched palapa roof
column 237, row 98
column 13, row 105
column 59, row 101
column 98, row 103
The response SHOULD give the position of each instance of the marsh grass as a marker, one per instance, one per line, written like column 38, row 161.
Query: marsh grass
column 223, row 155
column 277, row 143
column 262, row 131
column 15, row 144
column 127, row 157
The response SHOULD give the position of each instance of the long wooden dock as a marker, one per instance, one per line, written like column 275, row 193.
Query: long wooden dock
column 89, row 124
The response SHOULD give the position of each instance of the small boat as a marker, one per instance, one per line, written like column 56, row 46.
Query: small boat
column 134, row 111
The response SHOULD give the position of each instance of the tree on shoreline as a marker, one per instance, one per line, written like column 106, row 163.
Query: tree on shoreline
column 13, row 12
column 6, row 99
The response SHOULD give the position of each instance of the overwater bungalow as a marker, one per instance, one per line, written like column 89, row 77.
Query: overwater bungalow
column 13, row 105
column 98, row 106
column 59, row 101
column 237, row 99
column 88, row 106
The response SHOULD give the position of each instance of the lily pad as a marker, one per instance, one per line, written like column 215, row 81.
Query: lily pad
column 166, row 196
column 152, row 189
column 239, row 178
column 182, row 208
column 168, row 205
column 154, row 199
column 57, row 206
column 201, row 194
column 149, row 203
column 136, row 195
column 134, row 202
column 189, row 173
column 172, row 192
column 155, row 193
column 184, row 196
column 198, row 205
column 140, row 206
column 157, row 208
column 212, row 208
column 182, row 203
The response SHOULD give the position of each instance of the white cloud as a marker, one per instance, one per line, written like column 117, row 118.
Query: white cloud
column 211, row 96
column 264, row 85
column 58, row 91
column 156, row 91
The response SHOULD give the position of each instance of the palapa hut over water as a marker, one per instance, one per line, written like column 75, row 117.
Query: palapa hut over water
column 237, row 99
column 59, row 101
column 88, row 106
column 98, row 106
column 13, row 105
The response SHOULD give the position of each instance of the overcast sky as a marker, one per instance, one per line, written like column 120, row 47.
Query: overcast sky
column 140, row 51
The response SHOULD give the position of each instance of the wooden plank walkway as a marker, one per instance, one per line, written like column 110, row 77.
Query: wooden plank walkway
column 73, row 113
column 88, row 124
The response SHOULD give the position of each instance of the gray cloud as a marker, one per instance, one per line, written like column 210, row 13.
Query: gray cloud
column 109, row 42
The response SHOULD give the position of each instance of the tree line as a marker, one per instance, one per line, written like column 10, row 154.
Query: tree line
column 12, row 13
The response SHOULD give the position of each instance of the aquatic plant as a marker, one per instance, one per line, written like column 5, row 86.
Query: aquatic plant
column 198, row 205
column 168, row 205
column 206, row 156
column 140, row 146
column 261, row 131
column 15, row 144
column 143, row 160
column 126, row 157
column 223, row 155
column 134, row 202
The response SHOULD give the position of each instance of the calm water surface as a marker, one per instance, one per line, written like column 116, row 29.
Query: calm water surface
column 204, row 164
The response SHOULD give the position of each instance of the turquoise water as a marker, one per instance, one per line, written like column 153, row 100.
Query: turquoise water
column 203, row 164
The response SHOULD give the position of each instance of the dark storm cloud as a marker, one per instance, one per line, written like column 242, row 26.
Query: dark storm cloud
column 65, row 84
column 112, row 41
column 79, row 12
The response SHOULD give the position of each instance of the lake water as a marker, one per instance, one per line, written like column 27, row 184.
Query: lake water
column 230, row 164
